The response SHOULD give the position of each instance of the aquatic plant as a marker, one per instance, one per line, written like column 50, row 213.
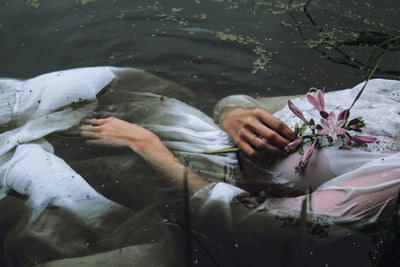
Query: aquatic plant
column 32, row 3
column 333, row 42
column 188, row 222
column 303, row 225
column 388, row 236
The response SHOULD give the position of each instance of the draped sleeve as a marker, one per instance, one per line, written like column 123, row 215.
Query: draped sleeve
column 270, row 104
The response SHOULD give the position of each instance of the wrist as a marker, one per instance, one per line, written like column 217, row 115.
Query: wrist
column 147, row 146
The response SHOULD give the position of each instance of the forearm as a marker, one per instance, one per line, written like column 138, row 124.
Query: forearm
column 115, row 132
column 160, row 158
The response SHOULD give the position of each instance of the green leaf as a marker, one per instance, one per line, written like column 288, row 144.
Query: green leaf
column 302, row 129
column 354, row 121
column 300, row 150
column 311, row 122
column 296, row 129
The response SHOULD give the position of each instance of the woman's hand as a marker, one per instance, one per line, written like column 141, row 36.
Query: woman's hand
column 248, row 128
column 116, row 132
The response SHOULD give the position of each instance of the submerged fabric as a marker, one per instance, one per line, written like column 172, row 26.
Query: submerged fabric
column 68, row 212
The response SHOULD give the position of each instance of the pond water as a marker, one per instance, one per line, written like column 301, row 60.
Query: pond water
column 215, row 47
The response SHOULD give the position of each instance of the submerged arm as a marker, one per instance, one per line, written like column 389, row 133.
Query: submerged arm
column 115, row 132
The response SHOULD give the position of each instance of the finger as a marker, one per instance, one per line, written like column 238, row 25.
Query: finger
column 249, row 151
column 253, row 140
column 286, row 132
column 273, row 137
column 275, row 151
column 86, row 127
column 275, row 124
column 95, row 121
column 263, row 147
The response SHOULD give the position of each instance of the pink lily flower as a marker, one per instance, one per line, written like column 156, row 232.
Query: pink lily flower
column 331, row 128
column 317, row 101
column 293, row 145
column 305, row 158
column 324, row 114
column 363, row 139
column 297, row 111
column 344, row 114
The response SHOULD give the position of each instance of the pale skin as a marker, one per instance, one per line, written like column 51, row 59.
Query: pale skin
column 245, row 127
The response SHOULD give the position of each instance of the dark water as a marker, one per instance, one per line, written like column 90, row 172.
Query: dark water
column 217, row 48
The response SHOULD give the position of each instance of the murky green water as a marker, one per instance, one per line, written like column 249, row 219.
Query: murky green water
column 216, row 47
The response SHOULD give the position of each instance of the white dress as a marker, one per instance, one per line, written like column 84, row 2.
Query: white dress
column 350, row 186
column 57, row 101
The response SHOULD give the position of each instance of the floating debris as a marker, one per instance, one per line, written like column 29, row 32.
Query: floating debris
column 32, row 3
column 85, row 2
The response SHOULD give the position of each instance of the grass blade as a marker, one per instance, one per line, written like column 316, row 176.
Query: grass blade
column 219, row 151
column 188, row 223
column 303, row 226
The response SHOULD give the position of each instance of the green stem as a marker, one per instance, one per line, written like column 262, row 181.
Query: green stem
column 366, row 82
column 310, row 135
column 219, row 151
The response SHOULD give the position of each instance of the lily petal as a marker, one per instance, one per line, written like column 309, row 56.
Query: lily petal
column 320, row 96
column 331, row 122
column 314, row 101
column 305, row 158
column 297, row 111
column 324, row 132
column 341, row 131
column 363, row 139
column 344, row 114
column 324, row 114
column 340, row 123
column 325, row 123
column 293, row 145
